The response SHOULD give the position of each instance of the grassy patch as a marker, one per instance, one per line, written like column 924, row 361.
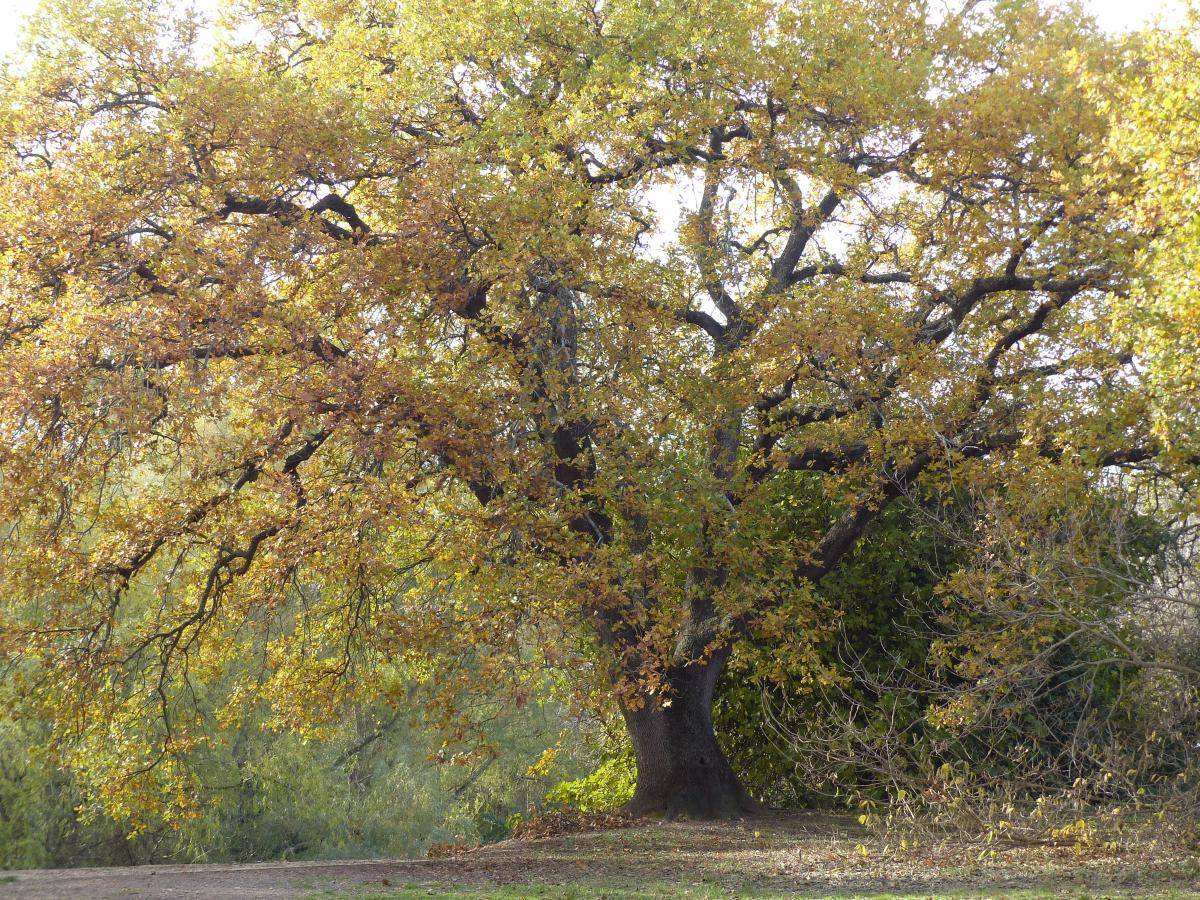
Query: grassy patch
column 663, row 891
column 798, row 855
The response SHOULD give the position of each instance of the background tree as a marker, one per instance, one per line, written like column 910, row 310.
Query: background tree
column 483, row 336
column 1012, row 659
column 373, row 786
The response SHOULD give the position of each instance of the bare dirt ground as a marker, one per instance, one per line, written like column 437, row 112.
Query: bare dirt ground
column 805, row 854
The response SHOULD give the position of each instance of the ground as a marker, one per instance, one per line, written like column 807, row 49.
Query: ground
column 805, row 855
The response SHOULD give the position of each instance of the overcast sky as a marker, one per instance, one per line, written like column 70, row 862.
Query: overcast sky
column 1113, row 14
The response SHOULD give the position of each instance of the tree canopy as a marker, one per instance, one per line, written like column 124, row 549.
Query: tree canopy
column 483, row 343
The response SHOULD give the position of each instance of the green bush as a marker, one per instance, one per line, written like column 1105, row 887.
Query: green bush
column 607, row 788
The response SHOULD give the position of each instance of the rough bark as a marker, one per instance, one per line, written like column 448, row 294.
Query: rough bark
column 681, row 770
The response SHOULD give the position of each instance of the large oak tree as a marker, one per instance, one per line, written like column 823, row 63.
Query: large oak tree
column 484, row 339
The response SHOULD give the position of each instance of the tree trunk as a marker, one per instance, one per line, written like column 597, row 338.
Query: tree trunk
column 681, row 770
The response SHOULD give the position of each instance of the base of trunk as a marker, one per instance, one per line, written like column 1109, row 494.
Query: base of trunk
column 698, row 794
column 681, row 770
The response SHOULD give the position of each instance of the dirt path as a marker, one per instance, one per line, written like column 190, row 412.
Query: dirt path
column 296, row 879
column 800, row 855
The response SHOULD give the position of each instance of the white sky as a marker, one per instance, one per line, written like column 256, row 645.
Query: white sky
column 1113, row 14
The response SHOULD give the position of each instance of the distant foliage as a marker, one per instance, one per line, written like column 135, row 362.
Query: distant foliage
column 372, row 787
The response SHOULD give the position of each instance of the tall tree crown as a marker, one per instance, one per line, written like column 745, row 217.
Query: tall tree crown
column 377, row 337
